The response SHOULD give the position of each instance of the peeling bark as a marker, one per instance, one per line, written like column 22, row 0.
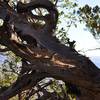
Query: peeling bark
column 54, row 60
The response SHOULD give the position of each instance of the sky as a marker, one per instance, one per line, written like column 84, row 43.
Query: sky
column 90, row 2
column 84, row 39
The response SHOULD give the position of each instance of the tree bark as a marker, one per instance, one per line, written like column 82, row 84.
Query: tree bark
column 55, row 60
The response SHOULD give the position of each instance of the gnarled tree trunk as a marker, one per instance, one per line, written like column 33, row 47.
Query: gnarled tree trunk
column 54, row 60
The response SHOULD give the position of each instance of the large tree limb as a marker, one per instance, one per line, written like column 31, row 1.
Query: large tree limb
column 56, row 60
column 65, row 69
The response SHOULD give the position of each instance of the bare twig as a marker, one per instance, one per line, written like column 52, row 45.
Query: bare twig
column 92, row 49
column 56, row 1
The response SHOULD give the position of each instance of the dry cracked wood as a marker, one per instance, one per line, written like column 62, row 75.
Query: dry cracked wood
column 55, row 60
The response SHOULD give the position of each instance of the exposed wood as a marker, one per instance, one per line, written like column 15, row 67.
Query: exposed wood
column 54, row 60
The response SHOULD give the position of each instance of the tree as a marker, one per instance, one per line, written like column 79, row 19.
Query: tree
column 31, row 37
column 90, row 15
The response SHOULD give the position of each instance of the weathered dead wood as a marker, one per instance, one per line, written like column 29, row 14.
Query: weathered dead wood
column 57, row 61
column 60, row 68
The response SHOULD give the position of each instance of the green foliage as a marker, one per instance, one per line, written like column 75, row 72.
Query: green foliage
column 10, row 69
column 67, row 18
column 91, row 16
column 58, row 88
column 62, row 90
column 12, row 63
column 7, row 79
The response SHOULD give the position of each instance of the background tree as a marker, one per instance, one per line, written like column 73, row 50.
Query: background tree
column 91, row 16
